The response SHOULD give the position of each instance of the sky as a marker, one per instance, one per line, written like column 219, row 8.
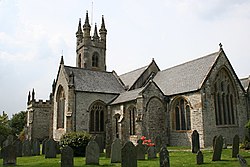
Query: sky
column 35, row 34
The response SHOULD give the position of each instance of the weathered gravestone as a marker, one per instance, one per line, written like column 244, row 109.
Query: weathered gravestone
column 116, row 148
column 151, row 152
column 218, row 148
column 224, row 143
column 158, row 143
column 100, row 141
column 195, row 142
column 43, row 145
column 235, row 147
column 129, row 155
column 199, row 158
column 67, row 157
column 26, row 149
column 35, row 147
column 9, row 155
column 92, row 153
column 214, row 141
column 242, row 161
column 164, row 157
column 19, row 147
column 50, row 149
column 140, row 151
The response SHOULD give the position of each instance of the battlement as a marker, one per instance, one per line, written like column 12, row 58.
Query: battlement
column 39, row 103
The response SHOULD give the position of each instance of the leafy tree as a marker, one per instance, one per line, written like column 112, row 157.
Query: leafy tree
column 17, row 123
column 5, row 130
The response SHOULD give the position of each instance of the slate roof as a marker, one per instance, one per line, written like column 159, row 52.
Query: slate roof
column 129, row 78
column 127, row 96
column 95, row 81
column 185, row 77
column 245, row 82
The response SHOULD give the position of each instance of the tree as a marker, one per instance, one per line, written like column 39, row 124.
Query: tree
column 17, row 123
column 5, row 130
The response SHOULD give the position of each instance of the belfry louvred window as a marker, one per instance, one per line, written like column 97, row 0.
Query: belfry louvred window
column 224, row 99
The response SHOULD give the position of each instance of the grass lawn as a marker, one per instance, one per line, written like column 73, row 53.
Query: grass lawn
column 178, row 157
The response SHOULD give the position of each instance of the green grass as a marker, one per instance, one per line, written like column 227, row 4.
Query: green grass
column 179, row 156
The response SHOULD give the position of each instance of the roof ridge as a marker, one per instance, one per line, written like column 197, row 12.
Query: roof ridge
column 88, row 69
column 190, row 61
column 134, row 70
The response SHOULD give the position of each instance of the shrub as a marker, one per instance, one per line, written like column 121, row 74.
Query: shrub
column 77, row 141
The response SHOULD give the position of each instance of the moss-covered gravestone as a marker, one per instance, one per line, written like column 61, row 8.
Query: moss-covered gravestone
column 218, row 148
column 129, row 155
column 235, row 147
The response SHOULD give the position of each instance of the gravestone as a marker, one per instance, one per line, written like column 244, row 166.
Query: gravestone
column 100, row 141
column 35, row 147
column 199, row 158
column 151, row 152
column 158, row 143
column 19, row 147
column 116, row 151
column 242, row 161
column 67, row 157
column 217, row 148
column 50, row 149
column 164, row 156
column 129, row 155
column 43, row 145
column 92, row 153
column 195, row 142
column 214, row 141
column 140, row 151
column 9, row 155
column 235, row 147
column 224, row 143
column 26, row 149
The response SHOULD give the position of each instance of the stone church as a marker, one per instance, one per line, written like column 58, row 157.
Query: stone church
column 204, row 94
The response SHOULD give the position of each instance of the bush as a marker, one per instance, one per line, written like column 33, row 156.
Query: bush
column 77, row 141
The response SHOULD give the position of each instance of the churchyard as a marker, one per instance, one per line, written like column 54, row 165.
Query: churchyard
column 48, row 154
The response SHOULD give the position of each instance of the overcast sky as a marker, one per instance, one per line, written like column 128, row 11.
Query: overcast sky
column 34, row 33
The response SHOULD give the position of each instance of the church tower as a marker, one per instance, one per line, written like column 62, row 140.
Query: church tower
column 91, row 50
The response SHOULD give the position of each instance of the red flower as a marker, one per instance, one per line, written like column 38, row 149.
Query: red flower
column 143, row 137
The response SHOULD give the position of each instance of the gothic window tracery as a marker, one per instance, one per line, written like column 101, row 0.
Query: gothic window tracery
column 132, row 117
column 97, row 117
column 224, row 99
column 60, row 107
column 95, row 60
column 181, row 114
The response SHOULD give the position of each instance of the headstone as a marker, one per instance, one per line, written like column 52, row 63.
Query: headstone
column 164, row 156
column 43, row 145
column 35, row 147
column 100, row 141
column 235, row 147
column 214, row 141
column 140, row 151
column 26, row 149
column 218, row 148
column 116, row 151
column 50, row 149
column 195, row 142
column 67, row 157
column 242, row 161
column 224, row 143
column 92, row 153
column 19, row 147
column 158, row 143
column 129, row 155
column 151, row 152
column 9, row 155
column 199, row 158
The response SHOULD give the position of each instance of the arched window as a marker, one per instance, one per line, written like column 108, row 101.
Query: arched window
column 224, row 99
column 80, row 60
column 181, row 115
column 60, row 99
column 132, row 114
column 97, row 117
column 95, row 60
